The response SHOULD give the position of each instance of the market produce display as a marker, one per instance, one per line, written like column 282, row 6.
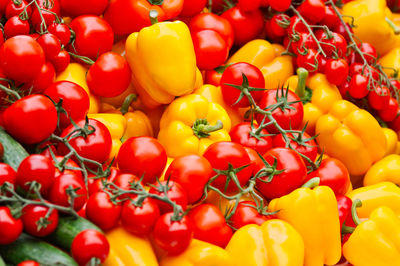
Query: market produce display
column 199, row 133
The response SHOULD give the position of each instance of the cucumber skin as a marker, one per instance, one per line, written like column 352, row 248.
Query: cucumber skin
column 29, row 248
column 14, row 153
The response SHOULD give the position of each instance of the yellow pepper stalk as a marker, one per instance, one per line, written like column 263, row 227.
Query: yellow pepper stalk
column 375, row 242
column 351, row 135
column 314, row 214
column 162, row 61
column 190, row 124
column 374, row 196
column 267, row 57
column 129, row 249
column 274, row 243
column 199, row 253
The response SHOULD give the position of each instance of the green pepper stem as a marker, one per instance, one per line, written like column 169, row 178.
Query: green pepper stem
column 153, row 14
column 313, row 182
column 127, row 102
column 302, row 74
column 356, row 203
column 393, row 26
column 202, row 129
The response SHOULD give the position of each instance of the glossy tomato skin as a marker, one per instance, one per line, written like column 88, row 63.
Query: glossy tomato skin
column 221, row 155
column 7, row 174
column 192, row 172
column 89, row 244
column 209, row 225
column 16, row 26
column 287, row 119
column 389, row 113
column 96, row 184
column 255, row 160
column 312, row 10
column 22, row 58
column 10, row 228
column 95, row 146
column 124, row 181
column 93, row 36
column 102, row 211
column 44, row 79
column 75, row 100
column 61, row 61
column 51, row 45
column 32, row 214
column 192, row 7
column 241, row 134
column 176, row 193
column 336, row 71
column 62, row 32
column 173, row 236
column 49, row 10
column 246, row 213
column 31, row 119
column 74, row 8
column 15, row 8
column 292, row 177
column 142, row 156
column 69, row 164
column 28, row 263
column 379, row 97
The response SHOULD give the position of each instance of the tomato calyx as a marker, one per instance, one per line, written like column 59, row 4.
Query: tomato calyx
column 245, row 89
column 202, row 129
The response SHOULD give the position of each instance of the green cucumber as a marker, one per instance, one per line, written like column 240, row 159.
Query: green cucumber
column 29, row 248
column 68, row 227
column 14, row 153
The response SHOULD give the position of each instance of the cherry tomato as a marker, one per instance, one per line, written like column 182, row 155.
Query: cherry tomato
column 109, row 76
column 47, row 13
column 124, row 182
column 192, row 172
column 44, row 79
column 341, row 29
column 14, row 8
column 61, row 61
column 212, row 77
column 234, row 75
column 62, row 32
column 89, row 244
column 93, row 36
column 379, row 97
column 95, row 146
column 246, row 213
column 395, row 124
column 369, row 53
column 331, row 19
column 332, row 173
column 311, row 60
column 209, row 225
column 10, row 228
column 142, row 156
column 74, row 8
column 254, row 160
column 278, row 24
column 292, row 177
column 246, row 135
column 358, row 68
column 336, row 71
column 140, row 220
column 31, row 119
column 33, row 219
column 334, row 43
column 50, row 44
column 225, row 155
column 358, row 86
column 22, row 58
column 280, row 5
column 192, row 7
column 389, row 113
column 102, row 211
column 63, row 185
column 296, row 26
column 16, row 26
column 7, row 174
column 173, row 236
column 68, row 168
column 312, row 10
column 249, row 5
column 28, row 263
column 302, row 43
column 96, row 184
column 289, row 118
column 175, row 193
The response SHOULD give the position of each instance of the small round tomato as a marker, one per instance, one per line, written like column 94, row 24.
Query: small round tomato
column 89, row 244
column 16, row 26
column 341, row 29
column 278, row 24
column 389, row 113
column 96, row 184
column 302, row 43
column 292, row 177
column 233, row 75
column 192, row 7
column 173, row 236
column 14, row 8
column 7, row 174
column 74, row 8
column 379, row 97
column 246, row 213
column 249, row 5
column 33, row 218
column 31, row 119
column 254, row 160
column 369, row 53
column 209, row 225
column 62, row 32
column 175, row 193
column 68, row 167
column 10, row 228
column 47, row 14
column 140, row 220
column 109, row 76
column 28, row 263
column 44, row 78
column 227, row 156
column 247, row 136
column 296, row 26
column 332, row 44
column 312, row 10
column 280, row 5
column 61, row 61
column 102, row 211
column 124, row 181
column 336, row 71
column 330, row 19
column 192, row 172
column 358, row 86
column 50, row 44
column 311, row 60
column 142, row 156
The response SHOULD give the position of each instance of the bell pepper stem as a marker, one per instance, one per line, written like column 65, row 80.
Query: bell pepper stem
column 201, row 128
column 393, row 26
column 347, row 229
column 127, row 102
column 356, row 203
column 153, row 14
column 313, row 182
column 302, row 74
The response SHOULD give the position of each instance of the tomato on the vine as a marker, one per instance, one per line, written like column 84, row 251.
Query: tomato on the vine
column 310, row 60
column 192, row 7
column 280, row 5
column 336, row 71
column 89, row 244
column 44, row 78
column 74, row 8
column 10, row 227
column 16, row 26
column 35, row 221
column 246, row 134
column 379, row 97
column 124, row 181
column 28, row 263
column 14, row 8
column 50, row 44
column 46, row 14
column 62, row 32
column 369, row 53
column 389, row 113
column 358, row 86
column 102, row 211
column 61, row 61
column 312, row 10
column 246, row 213
column 7, row 174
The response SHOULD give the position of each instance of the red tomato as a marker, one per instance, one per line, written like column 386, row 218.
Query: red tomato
column 379, row 97
column 16, row 26
column 62, row 184
column 209, row 225
column 289, row 118
column 389, row 113
column 234, row 75
column 395, row 124
column 249, row 5
column 31, row 119
column 302, row 43
column 334, row 44
column 61, row 61
column 369, row 53
column 44, row 79
column 33, row 219
column 254, row 159
column 312, row 10
column 292, row 177
column 332, row 173
column 74, row 8
column 10, row 228
column 358, row 86
column 75, row 100
column 96, row 184
column 280, row 5
column 341, row 29
column 22, row 58
column 47, row 13
column 331, row 20
column 50, row 44
column 62, row 32
column 212, row 77
column 246, row 213
column 336, row 71
column 173, row 236
column 140, row 220
column 192, row 7
column 124, row 182
column 89, row 244
column 102, row 211
column 278, row 24
column 93, row 36
column 244, row 134
column 192, row 172
column 96, row 146
column 311, row 60
column 296, row 26
column 225, row 156
column 175, row 193
column 68, row 168
column 15, row 8
column 28, row 263
column 109, row 76
column 7, row 174
column 142, row 156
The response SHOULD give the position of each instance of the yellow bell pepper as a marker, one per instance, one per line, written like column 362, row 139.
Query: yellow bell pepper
column 391, row 62
column 190, row 124
column 375, row 242
column 267, row 57
column 391, row 140
column 274, row 243
column 374, row 196
column 199, row 253
column 129, row 249
column 351, row 135
column 77, row 73
column 138, row 124
column 214, row 94
column 314, row 214
column 370, row 18
column 162, row 61
column 386, row 169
